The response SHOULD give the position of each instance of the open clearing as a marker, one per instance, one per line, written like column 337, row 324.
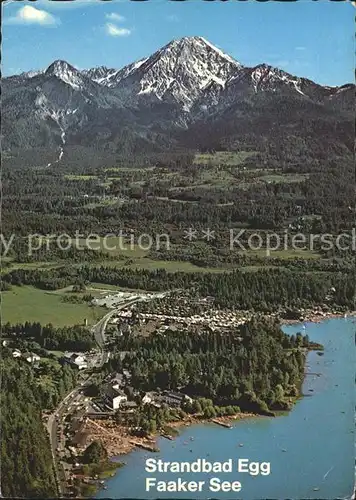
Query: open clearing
column 113, row 245
column 286, row 254
column 285, row 178
column 73, row 177
column 229, row 158
column 26, row 303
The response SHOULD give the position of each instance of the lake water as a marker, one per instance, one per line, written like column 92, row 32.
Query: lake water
column 317, row 437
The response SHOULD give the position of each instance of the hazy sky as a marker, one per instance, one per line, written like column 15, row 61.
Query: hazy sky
column 305, row 38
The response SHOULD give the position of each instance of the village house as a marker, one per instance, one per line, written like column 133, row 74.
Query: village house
column 117, row 381
column 148, row 398
column 114, row 398
column 151, row 398
column 170, row 398
column 76, row 360
column 129, row 406
column 174, row 398
column 16, row 353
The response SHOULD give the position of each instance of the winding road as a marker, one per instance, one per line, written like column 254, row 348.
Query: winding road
column 55, row 420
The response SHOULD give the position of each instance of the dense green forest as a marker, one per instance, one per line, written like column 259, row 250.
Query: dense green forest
column 256, row 366
column 261, row 189
column 263, row 290
column 36, row 204
column 35, row 336
column 26, row 462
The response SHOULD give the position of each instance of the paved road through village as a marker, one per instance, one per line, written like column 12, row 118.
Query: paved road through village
column 55, row 420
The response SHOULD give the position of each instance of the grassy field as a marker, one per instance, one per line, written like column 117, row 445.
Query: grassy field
column 138, row 259
column 58, row 354
column 114, row 245
column 229, row 158
column 137, row 263
column 102, row 287
column 31, row 265
column 169, row 265
column 26, row 303
column 72, row 177
column 286, row 178
column 105, row 202
column 129, row 169
column 286, row 254
column 67, row 291
column 172, row 266
column 221, row 171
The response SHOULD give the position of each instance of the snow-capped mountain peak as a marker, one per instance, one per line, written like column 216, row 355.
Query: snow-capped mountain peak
column 184, row 72
column 197, row 47
column 179, row 71
column 266, row 77
column 185, row 84
column 30, row 74
column 67, row 73
column 216, row 49
column 182, row 69
column 98, row 72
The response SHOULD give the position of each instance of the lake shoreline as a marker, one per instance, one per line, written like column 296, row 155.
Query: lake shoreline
column 311, row 318
column 129, row 443
column 317, row 317
column 116, row 455
column 149, row 443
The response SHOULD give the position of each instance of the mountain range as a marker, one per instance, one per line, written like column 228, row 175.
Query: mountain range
column 187, row 94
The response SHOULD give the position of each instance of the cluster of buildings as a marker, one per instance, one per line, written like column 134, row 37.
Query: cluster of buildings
column 76, row 360
column 30, row 357
column 114, row 396
column 117, row 386
column 170, row 398
column 215, row 320
column 113, row 300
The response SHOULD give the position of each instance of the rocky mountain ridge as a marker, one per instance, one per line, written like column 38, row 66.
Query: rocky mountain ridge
column 153, row 100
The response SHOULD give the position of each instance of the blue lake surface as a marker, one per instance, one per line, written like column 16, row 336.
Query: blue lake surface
column 317, row 437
